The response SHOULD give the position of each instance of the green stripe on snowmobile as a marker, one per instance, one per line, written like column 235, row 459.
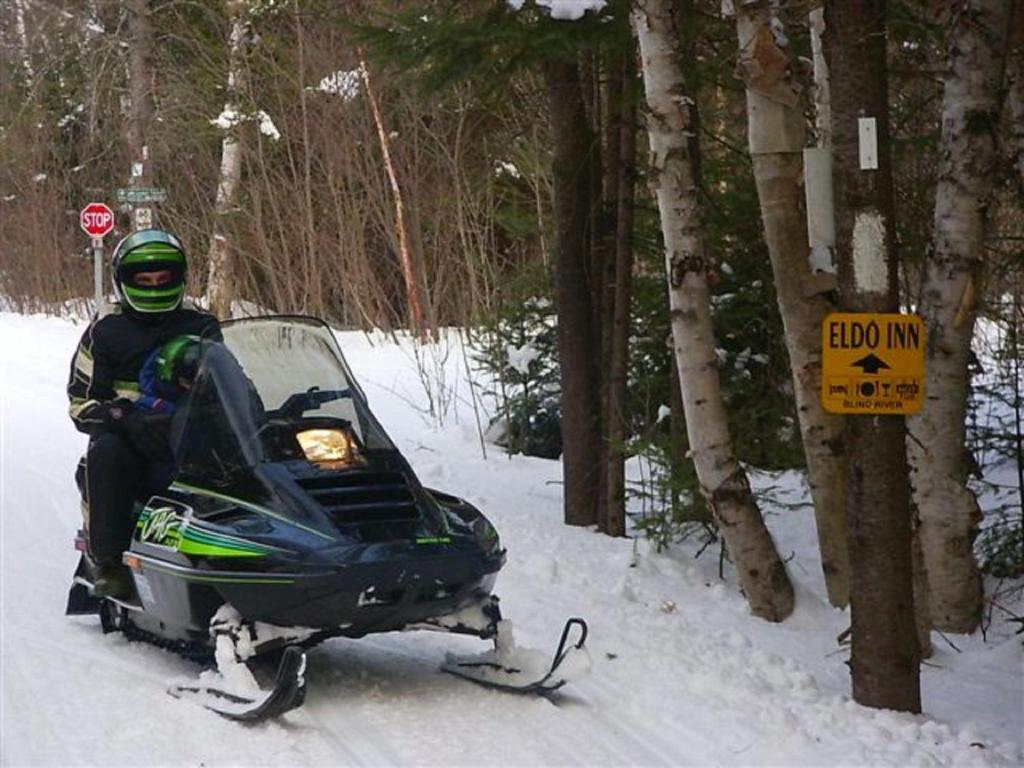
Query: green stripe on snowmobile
column 189, row 546
column 434, row 540
column 173, row 532
column 216, row 537
column 186, row 488
column 190, row 540
column 214, row 545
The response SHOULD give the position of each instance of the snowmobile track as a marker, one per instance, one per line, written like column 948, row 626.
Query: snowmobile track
column 350, row 737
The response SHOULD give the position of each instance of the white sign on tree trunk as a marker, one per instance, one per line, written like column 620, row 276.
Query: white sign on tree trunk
column 868, row 133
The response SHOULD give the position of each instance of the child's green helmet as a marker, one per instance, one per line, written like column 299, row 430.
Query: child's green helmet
column 148, row 251
column 178, row 360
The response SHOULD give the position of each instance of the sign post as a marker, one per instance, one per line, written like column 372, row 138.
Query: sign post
column 97, row 275
column 97, row 220
column 141, row 195
column 140, row 199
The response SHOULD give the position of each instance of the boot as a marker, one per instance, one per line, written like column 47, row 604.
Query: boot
column 113, row 580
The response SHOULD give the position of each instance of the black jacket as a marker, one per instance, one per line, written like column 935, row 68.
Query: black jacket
column 111, row 353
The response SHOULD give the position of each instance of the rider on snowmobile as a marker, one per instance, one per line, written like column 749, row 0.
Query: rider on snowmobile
column 127, row 459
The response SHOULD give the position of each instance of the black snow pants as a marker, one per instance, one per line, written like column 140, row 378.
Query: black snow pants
column 116, row 476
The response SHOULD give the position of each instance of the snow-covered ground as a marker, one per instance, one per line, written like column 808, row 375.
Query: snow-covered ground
column 682, row 674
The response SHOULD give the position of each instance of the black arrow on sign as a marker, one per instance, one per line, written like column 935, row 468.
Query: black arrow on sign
column 870, row 364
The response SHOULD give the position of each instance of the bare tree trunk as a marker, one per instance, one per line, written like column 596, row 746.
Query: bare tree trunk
column 618, row 355
column 26, row 51
column 577, row 347
column 605, row 222
column 140, row 90
column 1015, row 97
column 723, row 481
column 952, row 284
column 413, row 286
column 776, row 133
column 885, row 655
column 922, row 615
column 220, row 281
column 1015, row 90
column 822, row 256
column 1014, row 339
column 314, row 281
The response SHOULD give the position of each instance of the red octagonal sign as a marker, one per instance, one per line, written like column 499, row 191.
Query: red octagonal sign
column 96, row 219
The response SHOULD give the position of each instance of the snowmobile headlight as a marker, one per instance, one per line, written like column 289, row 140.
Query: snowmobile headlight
column 330, row 448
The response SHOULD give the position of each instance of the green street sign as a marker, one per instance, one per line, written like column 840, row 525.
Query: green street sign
column 141, row 195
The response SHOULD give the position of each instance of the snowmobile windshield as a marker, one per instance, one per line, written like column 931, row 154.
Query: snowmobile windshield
column 216, row 433
column 299, row 373
column 268, row 375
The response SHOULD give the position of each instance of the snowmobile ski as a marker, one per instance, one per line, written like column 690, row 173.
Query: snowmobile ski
column 520, row 670
column 287, row 693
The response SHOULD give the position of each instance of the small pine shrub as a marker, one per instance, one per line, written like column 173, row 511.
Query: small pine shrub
column 517, row 348
column 665, row 503
column 1000, row 546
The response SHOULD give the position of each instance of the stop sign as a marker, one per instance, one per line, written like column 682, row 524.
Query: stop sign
column 96, row 219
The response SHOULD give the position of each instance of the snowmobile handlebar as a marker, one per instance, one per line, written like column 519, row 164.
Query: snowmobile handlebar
column 312, row 399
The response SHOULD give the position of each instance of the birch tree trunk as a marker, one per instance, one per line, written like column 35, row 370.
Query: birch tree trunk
column 885, row 655
column 220, row 255
column 578, row 350
column 952, row 284
column 25, row 50
column 775, row 126
column 822, row 99
column 723, row 481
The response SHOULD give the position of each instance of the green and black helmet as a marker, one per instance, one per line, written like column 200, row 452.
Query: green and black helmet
column 150, row 251
column 178, row 360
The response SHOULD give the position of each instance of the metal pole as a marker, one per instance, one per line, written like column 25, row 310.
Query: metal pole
column 97, row 272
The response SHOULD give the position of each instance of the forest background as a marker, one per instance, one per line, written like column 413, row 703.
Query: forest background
column 402, row 165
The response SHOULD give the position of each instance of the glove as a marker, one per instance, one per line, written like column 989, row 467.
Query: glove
column 115, row 411
column 146, row 436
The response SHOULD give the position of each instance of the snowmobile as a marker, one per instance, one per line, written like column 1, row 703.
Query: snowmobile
column 292, row 519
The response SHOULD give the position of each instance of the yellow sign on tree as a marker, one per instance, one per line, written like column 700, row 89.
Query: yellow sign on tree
column 872, row 363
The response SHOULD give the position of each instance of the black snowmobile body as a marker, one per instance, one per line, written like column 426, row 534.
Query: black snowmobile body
column 292, row 519
column 345, row 543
